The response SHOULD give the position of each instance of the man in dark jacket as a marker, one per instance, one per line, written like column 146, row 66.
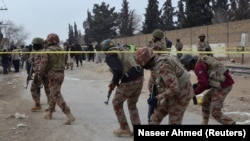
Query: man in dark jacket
column 91, row 53
column 78, row 55
column 5, row 61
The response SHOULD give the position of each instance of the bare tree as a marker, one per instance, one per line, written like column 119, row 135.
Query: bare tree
column 13, row 35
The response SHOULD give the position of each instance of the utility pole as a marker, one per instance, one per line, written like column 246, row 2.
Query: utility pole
column 1, row 24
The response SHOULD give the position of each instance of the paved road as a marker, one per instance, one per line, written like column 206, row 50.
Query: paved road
column 95, row 121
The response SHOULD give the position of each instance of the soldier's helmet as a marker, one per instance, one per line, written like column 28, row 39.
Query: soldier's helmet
column 107, row 44
column 202, row 35
column 52, row 38
column 158, row 33
column 38, row 41
column 187, row 58
column 143, row 55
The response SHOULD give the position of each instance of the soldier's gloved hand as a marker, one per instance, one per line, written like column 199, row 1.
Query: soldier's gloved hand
column 112, row 86
column 152, row 101
column 195, row 86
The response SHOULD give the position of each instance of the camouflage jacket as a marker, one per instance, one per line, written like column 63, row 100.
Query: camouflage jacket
column 169, row 76
column 53, row 60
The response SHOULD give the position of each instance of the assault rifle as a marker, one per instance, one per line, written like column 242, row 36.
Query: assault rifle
column 29, row 77
column 152, row 102
column 108, row 96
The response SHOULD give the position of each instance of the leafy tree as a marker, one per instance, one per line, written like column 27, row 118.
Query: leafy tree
column 86, row 26
column 71, row 34
column 125, row 26
column 167, row 16
column 239, row 10
column 128, row 20
column 220, row 11
column 181, row 18
column 76, row 36
column 102, row 24
column 198, row 13
column 152, row 17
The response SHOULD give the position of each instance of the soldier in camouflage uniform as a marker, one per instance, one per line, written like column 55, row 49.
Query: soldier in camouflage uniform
column 212, row 75
column 52, row 65
column 38, row 81
column 203, row 45
column 158, row 44
column 128, row 80
column 174, row 89
column 178, row 47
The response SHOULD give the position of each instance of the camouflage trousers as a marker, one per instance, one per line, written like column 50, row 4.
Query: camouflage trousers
column 35, row 88
column 128, row 91
column 174, row 107
column 213, row 103
column 55, row 79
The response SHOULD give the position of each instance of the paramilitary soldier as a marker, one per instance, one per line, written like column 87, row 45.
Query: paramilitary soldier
column 212, row 75
column 38, row 81
column 158, row 44
column 203, row 45
column 52, row 65
column 128, row 80
column 174, row 89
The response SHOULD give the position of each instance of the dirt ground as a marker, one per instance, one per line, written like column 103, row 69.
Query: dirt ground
column 237, row 104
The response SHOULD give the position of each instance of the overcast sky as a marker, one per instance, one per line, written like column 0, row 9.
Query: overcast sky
column 41, row 17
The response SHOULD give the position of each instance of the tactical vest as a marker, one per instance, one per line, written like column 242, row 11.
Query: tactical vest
column 204, row 46
column 175, row 65
column 56, row 60
column 126, row 58
column 216, row 70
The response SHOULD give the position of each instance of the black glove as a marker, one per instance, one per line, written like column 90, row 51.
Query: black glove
column 195, row 86
column 152, row 100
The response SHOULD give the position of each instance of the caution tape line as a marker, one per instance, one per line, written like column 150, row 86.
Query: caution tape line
column 76, row 52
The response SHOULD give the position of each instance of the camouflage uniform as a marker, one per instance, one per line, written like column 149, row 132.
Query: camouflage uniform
column 37, row 82
column 213, row 75
column 128, row 77
column 179, row 47
column 35, row 60
column 160, row 46
column 203, row 45
column 174, row 90
column 173, row 87
column 52, row 65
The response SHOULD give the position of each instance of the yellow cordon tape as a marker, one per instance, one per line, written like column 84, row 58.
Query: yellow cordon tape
column 191, row 52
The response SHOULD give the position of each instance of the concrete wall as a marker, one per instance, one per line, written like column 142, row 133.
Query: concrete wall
column 225, row 36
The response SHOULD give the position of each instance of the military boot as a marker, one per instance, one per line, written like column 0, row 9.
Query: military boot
column 70, row 118
column 204, row 122
column 122, row 132
column 47, row 110
column 48, row 115
column 36, row 108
